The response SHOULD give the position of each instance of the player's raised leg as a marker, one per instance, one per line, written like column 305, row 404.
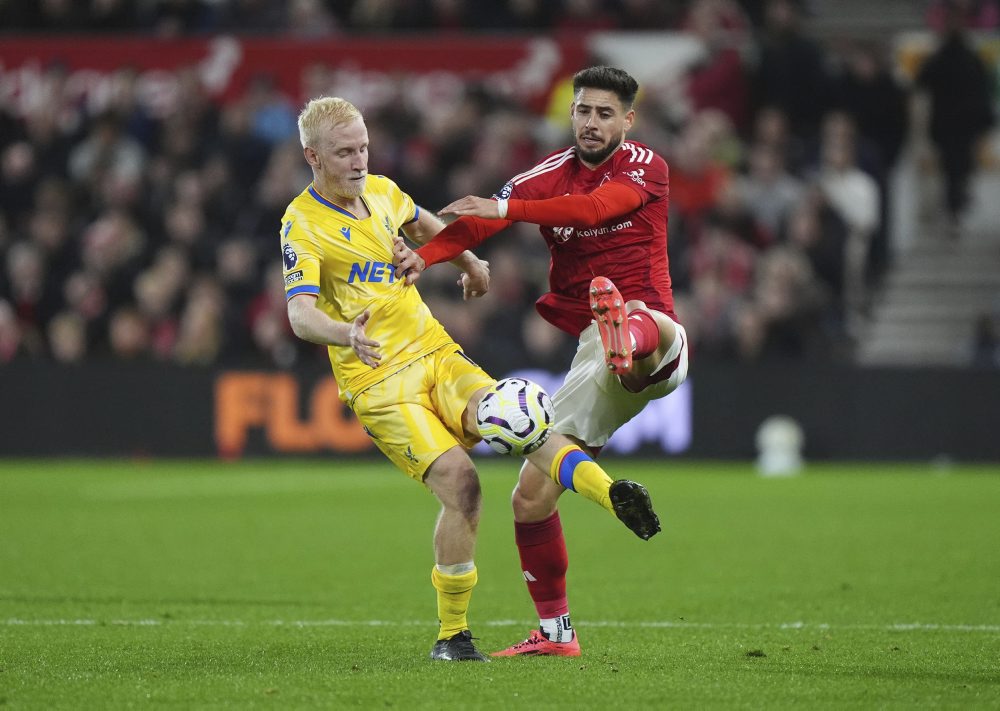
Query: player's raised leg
column 630, row 333
column 608, row 308
column 571, row 467
column 516, row 417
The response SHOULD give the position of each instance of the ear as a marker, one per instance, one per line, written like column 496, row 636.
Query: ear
column 311, row 157
column 572, row 110
column 629, row 119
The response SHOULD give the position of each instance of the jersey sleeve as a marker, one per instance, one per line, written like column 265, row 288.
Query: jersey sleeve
column 301, row 257
column 643, row 171
column 405, row 210
column 607, row 202
column 464, row 233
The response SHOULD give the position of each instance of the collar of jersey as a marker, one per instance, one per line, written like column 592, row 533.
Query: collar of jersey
column 322, row 200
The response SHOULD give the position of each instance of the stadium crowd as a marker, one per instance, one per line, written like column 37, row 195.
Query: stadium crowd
column 130, row 236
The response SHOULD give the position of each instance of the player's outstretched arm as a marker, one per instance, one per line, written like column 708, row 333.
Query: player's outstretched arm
column 607, row 202
column 472, row 206
column 475, row 280
column 311, row 324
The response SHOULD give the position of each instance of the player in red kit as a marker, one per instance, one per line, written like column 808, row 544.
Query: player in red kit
column 601, row 206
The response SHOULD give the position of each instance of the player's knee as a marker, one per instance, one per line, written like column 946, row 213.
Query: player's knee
column 470, row 496
column 463, row 491
column 531, row 504
column 455, row 482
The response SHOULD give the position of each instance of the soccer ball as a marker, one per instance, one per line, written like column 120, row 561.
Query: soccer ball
column 515, row 416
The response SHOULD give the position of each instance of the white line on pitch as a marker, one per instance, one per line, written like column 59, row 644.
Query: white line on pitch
column 665, row 624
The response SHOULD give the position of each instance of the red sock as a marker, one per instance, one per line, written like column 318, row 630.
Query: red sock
column 646, row 333
column 543, row 559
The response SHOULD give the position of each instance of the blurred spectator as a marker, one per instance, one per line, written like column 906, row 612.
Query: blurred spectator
column 128, row 334
column 50, row 226
column 373, row 15
column 866, row 89
column 696, row 178
column 769, row 190
column 718, row 80
column 958, row 85
column 237, row 273
column 155, row 297
column 649, row 14
column 814, row 229
column 285, row 176
column 106, row 152
column 790, row 72
column 125, row 103
column 262, row 16
column 10, row 333
column 272, row 118
column 310, row 18
column 67, row 338
column 771, row 130
column 111, row 15
column 110, row 249
column 868, row 92
column 267, row 317
column 732, row 213
column 52, row 143
column 986, row 342
column 244, row 152
column 854, row 196
column 199, row 339
column 18, row 177
column 174, row 18
column 27, row 293
column 791, row 303
column 84, row 295
column 583, row 16
column 527, row 15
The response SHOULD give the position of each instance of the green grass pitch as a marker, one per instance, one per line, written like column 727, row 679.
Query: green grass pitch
column 306, row 584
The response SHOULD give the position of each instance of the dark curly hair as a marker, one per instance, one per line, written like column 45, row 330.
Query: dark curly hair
column 608, row 79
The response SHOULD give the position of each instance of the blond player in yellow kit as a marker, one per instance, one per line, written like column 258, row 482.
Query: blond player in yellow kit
column 406, row 380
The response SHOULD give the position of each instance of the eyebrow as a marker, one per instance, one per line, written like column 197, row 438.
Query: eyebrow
column 599, row 107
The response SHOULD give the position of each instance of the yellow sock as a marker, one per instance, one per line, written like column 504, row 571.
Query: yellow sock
column 453, row 595
column 574, row 469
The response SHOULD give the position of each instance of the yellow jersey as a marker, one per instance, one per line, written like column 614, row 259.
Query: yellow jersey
column 346, row 262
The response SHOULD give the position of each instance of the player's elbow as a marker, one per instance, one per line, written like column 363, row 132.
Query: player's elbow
column 298, row 328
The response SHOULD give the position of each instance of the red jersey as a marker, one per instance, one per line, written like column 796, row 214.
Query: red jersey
column 630, row 249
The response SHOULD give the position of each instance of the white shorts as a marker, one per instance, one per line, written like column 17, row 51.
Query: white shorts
column 592, row 402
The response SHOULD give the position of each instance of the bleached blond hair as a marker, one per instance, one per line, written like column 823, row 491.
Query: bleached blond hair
column 324, row 112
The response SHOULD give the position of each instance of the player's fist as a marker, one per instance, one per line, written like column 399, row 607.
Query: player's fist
column 407, row 262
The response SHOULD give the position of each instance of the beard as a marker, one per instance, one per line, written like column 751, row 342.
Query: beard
column 352, row 188
column 597, row 156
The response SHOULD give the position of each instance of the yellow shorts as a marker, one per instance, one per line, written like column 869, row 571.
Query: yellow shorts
column 414, row 416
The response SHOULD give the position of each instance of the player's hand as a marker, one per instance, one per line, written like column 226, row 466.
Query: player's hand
column 365, row 348
column 472, row 205
column 407, row 262
column 476, row 279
